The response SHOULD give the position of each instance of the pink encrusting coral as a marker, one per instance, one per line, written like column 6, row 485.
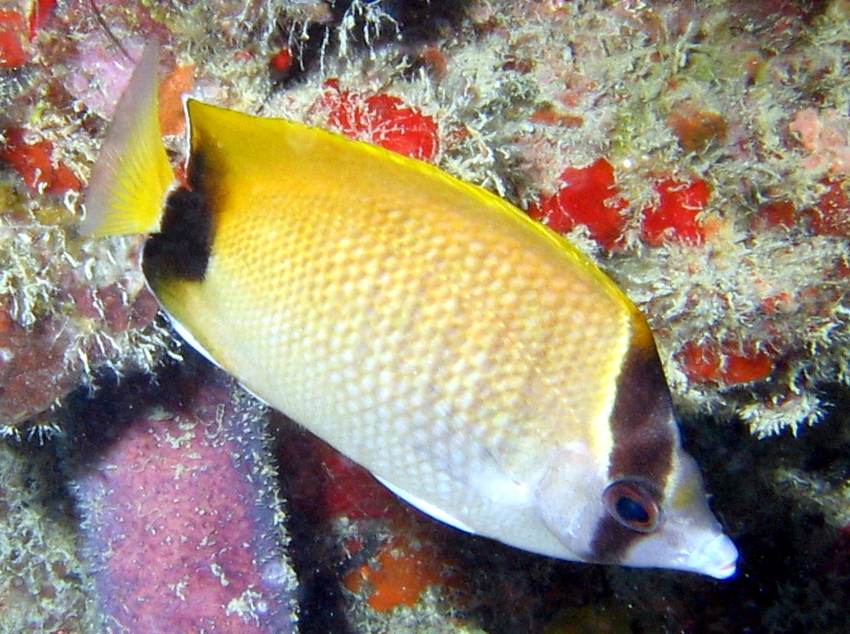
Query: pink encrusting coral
column 826, row 136
column 182, row 527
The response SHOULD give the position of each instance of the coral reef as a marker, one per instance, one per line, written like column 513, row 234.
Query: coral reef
column 41, row 585
column 697, row 150
column 182, row 526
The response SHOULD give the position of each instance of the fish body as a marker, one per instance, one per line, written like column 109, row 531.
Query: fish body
column 473, row 360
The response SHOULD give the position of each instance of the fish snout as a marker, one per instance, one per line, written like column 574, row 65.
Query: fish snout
column 717, row 558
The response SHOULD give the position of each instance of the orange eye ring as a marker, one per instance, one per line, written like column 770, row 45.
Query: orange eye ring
column 634, row 504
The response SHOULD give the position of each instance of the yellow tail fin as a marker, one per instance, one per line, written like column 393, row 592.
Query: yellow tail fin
column 132, row 175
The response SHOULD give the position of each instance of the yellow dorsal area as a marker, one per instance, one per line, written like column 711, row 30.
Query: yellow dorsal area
column 240, row 148
column 132, row 174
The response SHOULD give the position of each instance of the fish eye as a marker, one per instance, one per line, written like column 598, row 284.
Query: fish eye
column 634, row 504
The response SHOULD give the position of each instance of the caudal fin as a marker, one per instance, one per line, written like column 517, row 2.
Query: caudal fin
column 132, row 175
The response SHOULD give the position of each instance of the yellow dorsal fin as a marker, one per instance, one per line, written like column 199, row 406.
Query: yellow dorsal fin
column 132, row 175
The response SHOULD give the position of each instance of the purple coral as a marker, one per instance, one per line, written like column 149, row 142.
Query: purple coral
column 182, row 527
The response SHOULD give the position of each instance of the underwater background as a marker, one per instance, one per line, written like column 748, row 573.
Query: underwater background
column 698, row 151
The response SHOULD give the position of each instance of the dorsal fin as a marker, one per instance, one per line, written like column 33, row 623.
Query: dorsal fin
column 132, row 174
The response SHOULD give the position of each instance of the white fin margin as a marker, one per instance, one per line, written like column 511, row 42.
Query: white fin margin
column 189, row 338
column 427, row 507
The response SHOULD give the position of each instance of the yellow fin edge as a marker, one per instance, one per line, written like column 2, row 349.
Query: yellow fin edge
column 132, row 174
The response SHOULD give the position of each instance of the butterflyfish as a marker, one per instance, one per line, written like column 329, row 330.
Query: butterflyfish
column 473, row 360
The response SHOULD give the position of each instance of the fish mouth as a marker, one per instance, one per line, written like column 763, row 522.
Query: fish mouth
column 726, row 571
column 718, row 558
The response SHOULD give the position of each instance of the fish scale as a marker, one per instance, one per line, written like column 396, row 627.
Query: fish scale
column 441, row 312
column 474, row 361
